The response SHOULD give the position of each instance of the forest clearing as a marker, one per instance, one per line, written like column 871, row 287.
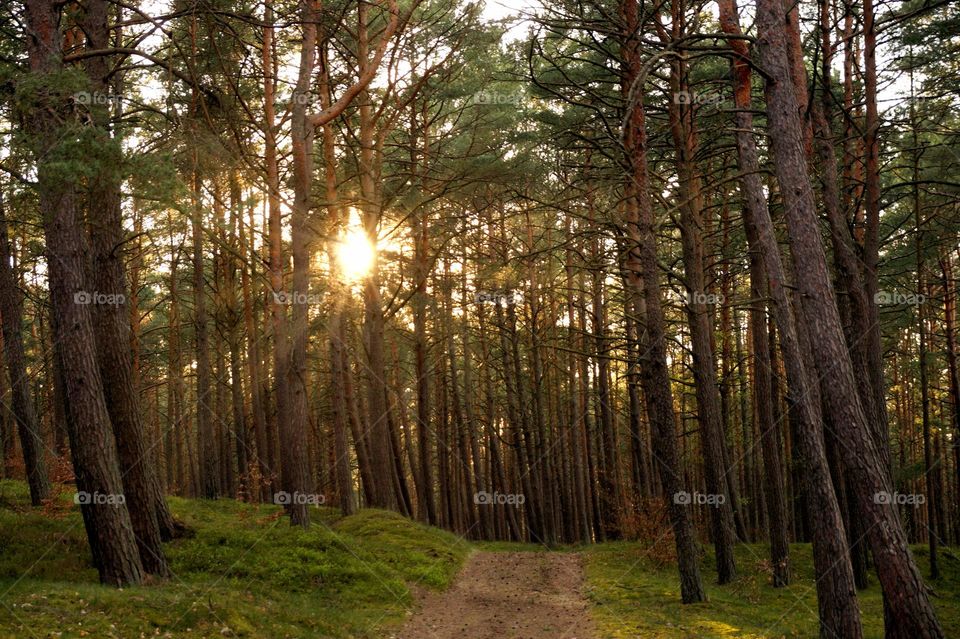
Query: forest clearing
column 442, row 318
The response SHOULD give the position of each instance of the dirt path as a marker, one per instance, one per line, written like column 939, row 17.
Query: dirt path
column 508, row 595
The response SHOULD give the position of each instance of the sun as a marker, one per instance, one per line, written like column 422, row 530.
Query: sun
column 355, row 254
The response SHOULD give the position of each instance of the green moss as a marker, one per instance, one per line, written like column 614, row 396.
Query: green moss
column 244, row 573
column 633, row 596
column 247, row 573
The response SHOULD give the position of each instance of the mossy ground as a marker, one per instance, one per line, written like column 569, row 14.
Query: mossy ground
column 245, row 572
column 635, row 596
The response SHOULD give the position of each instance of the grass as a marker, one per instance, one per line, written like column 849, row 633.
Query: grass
column 635, row 596
column 245, row 573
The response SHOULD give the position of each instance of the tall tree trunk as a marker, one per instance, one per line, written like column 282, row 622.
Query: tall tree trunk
column 111, row 325
column 244, row 446
column 373, row 322
column 97, row 470
column 254, row 372
column 701, row 329
column 644, row 277
column 339, row 355
column 769, row 429
column 207, row 450
column 608, row 486
column 929, row 467
column 871, row 240
column 906, row 596
column 294, row 465
column 278, row 313
column 176, row 472
column 428, row 511
column 24, row 412
column 148, row 509
column 836, row 593
column 950, row 335
column 480, row 481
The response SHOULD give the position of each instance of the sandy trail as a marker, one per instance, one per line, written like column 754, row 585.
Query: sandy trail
column 508, row 595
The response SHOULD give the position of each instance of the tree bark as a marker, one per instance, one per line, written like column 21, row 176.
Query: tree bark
column 109, row 530
column 644, row 277
column 701, row 329
column 906, row 596
column 836, row 593
column 24, row 412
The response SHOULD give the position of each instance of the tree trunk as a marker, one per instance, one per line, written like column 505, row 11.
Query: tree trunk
column 24, row 412
column 697, row 308
column 207, row 450
column 294, row 465
column 373, row 321
column 909, row 605
column 836, row 594
column 949, row 315
column 644, row 277
column 148, row 509
column 109, row 531
column 278, row 314
column 428, row 511
column 254, row 372
column 769, row 429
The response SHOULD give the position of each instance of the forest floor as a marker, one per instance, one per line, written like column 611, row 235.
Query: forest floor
column 634, row 593
column 533, row 595
column 244, row 572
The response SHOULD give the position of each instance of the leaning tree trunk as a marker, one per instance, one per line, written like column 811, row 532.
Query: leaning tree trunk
column 150, row 516
column 112, row 329
column 24, row 412
column 701, row 330
column 109, row 531
column 763, row 374
column 643, row 274
column 836, row 592
column 909, row 608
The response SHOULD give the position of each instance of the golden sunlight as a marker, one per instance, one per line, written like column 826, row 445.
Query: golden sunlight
column 355, row 254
